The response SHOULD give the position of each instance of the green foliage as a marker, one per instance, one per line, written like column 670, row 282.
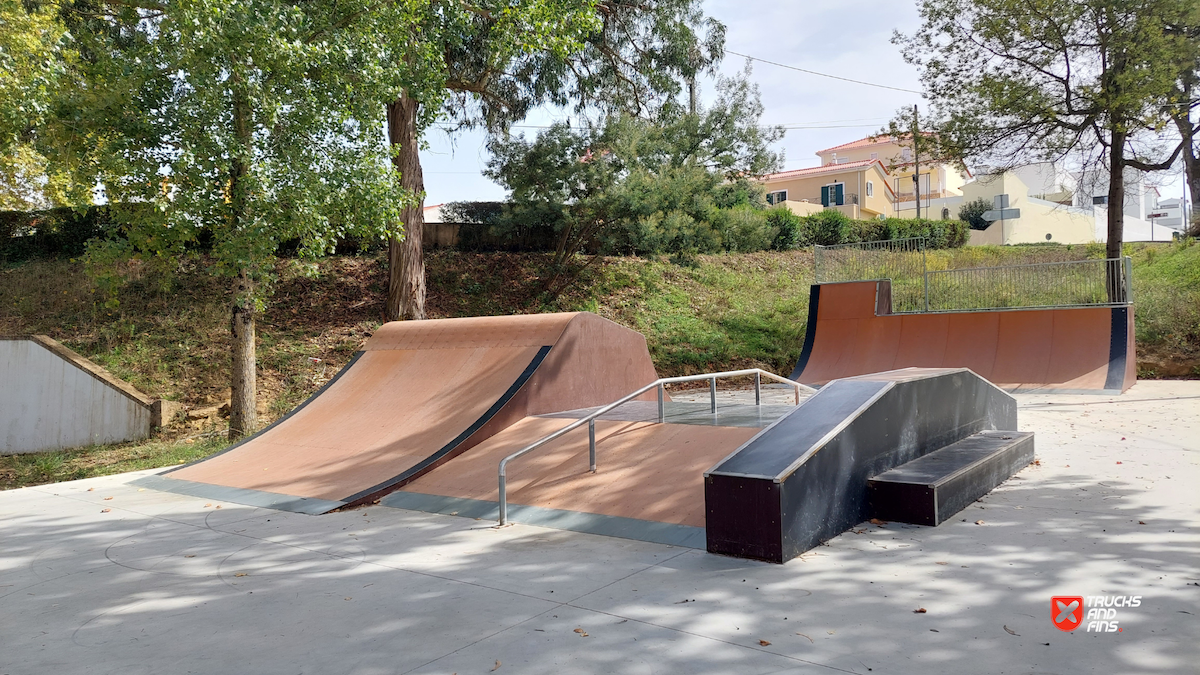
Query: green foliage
column 788, row 228
column 972, row 212
column 59, row 232
column 826, row 228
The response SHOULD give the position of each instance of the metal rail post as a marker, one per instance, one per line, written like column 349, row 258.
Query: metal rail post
column 757, row 389
column 503, row 498
column 925, row 274
column 662, row 408
column 592, row 443
column 712, row 393
column 1129, row 280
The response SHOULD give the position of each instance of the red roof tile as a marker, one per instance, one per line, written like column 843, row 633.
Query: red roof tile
column 825, row 169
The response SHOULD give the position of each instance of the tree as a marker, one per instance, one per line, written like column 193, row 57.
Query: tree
column 1019, row 80
column 34, row 49
column 673, row 183
column 495, row 61
column 246, row 122
column 972, row 212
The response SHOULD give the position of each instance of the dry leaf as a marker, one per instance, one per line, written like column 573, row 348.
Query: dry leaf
column 1118, row 462
column 876, row 521
column 349, row 598
column 942, row 563
column 207, row 505
column 920, row 610
column 497, row 666
column 1141, row 522
column 1011, row 631
column 1037, row 462
column 91, row 489
column 192, row 555
column 979, row 522
column 581, row 632
column 105, row 510
column 805, row 636
column 764, row 643
column 240, row 574
column 218, row 506
column 107, row 498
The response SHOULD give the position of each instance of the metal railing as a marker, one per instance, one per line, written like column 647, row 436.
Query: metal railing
column 900, row 260
column 590, row 419
column 1076, row 283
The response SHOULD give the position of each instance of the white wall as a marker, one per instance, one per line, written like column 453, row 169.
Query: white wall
column 47, row 402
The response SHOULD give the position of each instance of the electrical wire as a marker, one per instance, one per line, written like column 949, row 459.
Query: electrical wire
column 813, row 72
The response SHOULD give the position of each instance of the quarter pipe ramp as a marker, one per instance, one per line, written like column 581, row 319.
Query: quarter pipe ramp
column 417, row 395
column 851, row 331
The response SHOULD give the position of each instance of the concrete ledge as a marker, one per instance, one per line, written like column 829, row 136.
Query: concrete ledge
column 574, row 521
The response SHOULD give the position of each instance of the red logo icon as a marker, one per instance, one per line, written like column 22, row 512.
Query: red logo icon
column 1066, row 611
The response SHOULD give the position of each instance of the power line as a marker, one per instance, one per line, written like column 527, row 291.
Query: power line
column 813, row 72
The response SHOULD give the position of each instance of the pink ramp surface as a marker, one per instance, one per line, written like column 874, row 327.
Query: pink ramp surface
column 422, row 392
column 1061, row 349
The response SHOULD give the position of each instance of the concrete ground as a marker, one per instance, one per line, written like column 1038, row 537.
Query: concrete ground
column 100, row 577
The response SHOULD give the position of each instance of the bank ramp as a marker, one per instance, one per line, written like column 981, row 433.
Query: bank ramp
column 419, row 394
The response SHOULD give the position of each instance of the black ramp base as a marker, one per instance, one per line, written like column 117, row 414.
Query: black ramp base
column 803, row 480
column 931, row 489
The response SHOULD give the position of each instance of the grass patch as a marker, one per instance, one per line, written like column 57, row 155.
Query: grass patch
column 102, row 460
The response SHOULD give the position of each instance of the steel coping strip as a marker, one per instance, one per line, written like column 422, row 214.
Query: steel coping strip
column 353, row 359
column 1117, row 349
column 687, row 536
column 271, row 500
column 428, row 463
column 810, row 332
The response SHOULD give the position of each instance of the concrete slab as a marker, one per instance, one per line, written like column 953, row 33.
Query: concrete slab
column 163, row 583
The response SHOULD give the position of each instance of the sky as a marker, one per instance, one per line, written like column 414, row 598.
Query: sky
column 846, row 38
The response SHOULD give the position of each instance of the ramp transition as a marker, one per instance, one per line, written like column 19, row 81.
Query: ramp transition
column 852, row 331
column 417, row 395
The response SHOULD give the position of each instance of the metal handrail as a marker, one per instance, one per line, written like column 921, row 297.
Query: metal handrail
column 590, row 419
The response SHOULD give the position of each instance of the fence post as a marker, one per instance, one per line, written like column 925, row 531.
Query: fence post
column 1128, row 280
column 925, row 274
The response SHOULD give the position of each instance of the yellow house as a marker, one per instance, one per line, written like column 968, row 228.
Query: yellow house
column 875, row 175
column 858, row 189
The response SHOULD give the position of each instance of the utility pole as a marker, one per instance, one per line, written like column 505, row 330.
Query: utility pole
column 916, row 160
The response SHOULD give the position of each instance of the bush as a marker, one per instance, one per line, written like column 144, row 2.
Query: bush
column 972, row 212
column 787, row 226
column 825, row 228
column 53, row 233
column 746, row 229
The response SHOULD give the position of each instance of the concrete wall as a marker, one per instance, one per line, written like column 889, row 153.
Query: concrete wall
column 52, row 398
column 1064, row 224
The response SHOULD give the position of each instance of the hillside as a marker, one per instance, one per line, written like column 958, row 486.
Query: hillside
column 169, row 337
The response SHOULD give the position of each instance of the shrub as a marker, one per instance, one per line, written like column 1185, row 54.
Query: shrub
column 972, row 212
column 787, row 227
column 826, row 228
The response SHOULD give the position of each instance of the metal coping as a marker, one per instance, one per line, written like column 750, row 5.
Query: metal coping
column 430, row 461
column 354, row 359
column 574, row 521
column 1118, row 348
column 810, row 332
column 271, row 500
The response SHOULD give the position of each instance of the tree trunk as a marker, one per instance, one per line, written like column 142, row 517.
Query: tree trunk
column 1191, row 171
column 1116, row 214
column 243, row 408
column 406, row 259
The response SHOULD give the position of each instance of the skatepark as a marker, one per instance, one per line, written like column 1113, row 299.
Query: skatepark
column 526, row 493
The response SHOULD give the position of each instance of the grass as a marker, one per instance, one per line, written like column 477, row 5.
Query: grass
column 169, row 337
column 101, row 460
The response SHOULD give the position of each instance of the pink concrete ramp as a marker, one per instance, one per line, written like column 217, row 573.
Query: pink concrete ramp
column 419, row 394
column 851, row 331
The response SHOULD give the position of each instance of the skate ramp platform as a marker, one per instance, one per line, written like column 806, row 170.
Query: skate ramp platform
column 419, row 394
column 852, row 331
column 649, row 480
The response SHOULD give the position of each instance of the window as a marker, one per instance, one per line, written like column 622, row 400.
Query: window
column 777, row 197
column 874, row 155
column 906, row 154
column 1098, row 201
column 843, row 160
column 870, row 188
column 945, row 213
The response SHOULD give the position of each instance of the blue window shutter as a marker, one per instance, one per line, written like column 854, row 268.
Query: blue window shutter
column 839, row 194
column 824, row 195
